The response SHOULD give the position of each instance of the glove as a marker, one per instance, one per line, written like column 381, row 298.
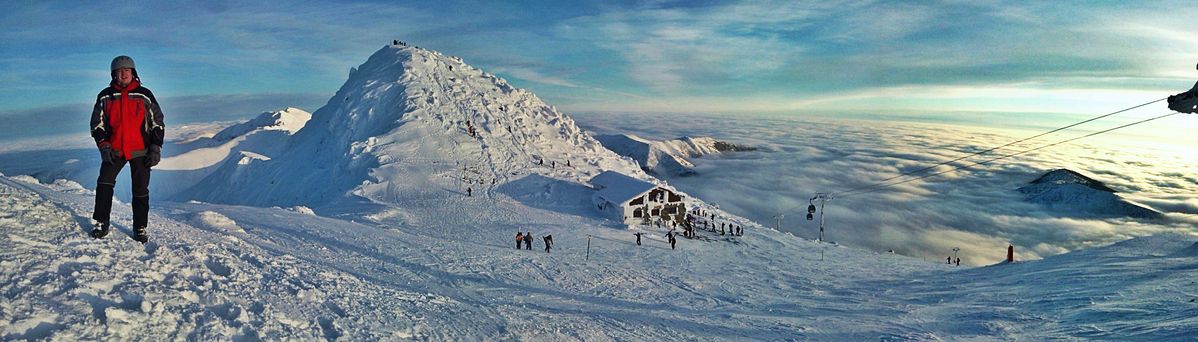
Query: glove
column 153, row 155
column 107, row 154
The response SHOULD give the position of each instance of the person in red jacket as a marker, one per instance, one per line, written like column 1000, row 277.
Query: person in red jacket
column 127, row 125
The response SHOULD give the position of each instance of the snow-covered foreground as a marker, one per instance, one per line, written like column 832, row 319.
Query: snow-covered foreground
column 244, row 273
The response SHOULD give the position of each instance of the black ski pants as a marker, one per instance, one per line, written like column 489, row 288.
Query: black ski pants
column 139, row 174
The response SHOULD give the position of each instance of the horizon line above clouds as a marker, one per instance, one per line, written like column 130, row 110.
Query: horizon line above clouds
column 46, row 121
column 728, row 57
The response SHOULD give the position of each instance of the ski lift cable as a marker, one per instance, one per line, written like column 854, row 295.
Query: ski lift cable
column 882, row 183
column 1007, row 155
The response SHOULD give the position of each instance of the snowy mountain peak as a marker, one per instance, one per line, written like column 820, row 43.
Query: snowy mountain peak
column 666, row 157
column 289, row 119
column 1066, row 176
column 1071, row 192
column 411, row 117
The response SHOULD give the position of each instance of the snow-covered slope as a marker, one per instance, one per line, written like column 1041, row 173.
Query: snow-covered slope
column 401, row 124
column 265, row 134
column 668, row 157
column 187, row 163
column 1068, row 191
column 214, row 272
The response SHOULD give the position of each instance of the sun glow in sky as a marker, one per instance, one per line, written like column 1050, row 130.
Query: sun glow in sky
column 636, row 56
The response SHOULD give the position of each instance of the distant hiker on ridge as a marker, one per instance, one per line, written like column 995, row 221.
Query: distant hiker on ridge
column 126, row 124
column 548, row 242
column 519, row 239
column 528, row 241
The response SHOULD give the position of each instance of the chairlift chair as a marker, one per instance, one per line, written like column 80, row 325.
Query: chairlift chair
column 1186, row 102
column 811, row 210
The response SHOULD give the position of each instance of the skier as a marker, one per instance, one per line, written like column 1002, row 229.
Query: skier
column 958, row 261
column 638, row 238
column 528, row 241
column 673, row 241
column 548, row 242
column 468, row 191
column 519, row 239
column 126, row 124
column 948, row 260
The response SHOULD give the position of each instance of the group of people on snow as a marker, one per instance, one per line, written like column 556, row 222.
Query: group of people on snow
column 671, row 237
column 709, row 223
column 950, row 261
column 526, row 239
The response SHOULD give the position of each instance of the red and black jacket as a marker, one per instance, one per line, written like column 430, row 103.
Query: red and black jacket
column 127, row 118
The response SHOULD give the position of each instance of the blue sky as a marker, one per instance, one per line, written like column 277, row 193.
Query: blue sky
column 592, row 56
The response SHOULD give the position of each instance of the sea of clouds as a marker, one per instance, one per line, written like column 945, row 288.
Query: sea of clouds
column 976, row 209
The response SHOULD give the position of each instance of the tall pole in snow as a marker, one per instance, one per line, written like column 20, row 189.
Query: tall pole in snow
column 823, row 198
column 588, row 248
column 821, row 220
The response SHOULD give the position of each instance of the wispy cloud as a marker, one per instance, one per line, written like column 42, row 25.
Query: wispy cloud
column 741, row 56
column 536, row 76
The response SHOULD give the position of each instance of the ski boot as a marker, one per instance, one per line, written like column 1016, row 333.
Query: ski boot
column 139, row 234
column 100, row 230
